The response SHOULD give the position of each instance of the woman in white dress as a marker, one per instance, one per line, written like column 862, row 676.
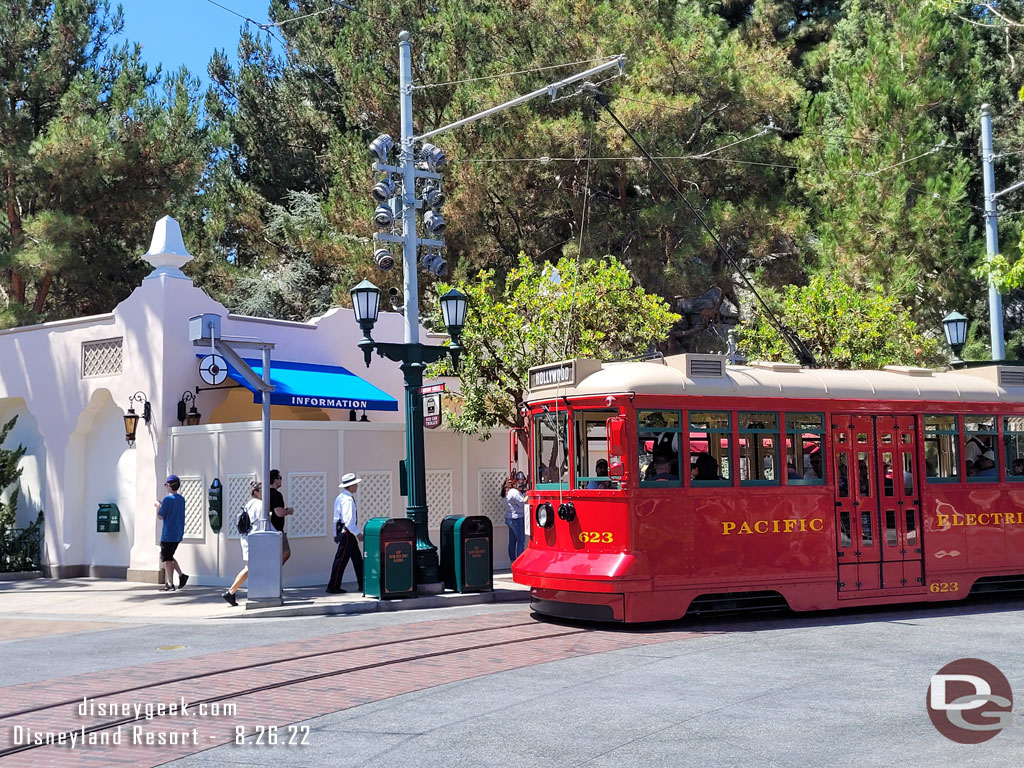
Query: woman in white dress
column 255, row 508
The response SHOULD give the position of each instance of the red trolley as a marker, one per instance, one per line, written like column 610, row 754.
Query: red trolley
column 681, row 483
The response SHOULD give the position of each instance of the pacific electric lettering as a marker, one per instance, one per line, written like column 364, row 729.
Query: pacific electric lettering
column 327, row 402
column 983, row 518
column 798, row 525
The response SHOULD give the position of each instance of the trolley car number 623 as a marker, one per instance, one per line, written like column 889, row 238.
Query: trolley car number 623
column 596, row 537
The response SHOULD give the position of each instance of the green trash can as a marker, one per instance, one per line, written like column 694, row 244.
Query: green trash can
column 467, row 553
column 389, row 560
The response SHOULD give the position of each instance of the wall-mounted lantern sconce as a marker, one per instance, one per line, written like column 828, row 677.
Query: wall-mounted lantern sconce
column 131, row 419
column 192, row 417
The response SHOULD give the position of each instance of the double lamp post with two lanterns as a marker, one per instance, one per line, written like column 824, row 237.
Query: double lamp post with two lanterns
column 410, row 179
column 414, row 357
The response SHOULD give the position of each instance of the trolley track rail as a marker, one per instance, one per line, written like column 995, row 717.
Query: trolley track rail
column 547, row 633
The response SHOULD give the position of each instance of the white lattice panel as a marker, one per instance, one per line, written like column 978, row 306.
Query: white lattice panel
column 374, row 495
column 102, row 358
column 490, row 502
column 439, row 496
column 194, row 491
column 239, row 491
column 307, row 495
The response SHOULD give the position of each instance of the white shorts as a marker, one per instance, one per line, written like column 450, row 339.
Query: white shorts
column 245, row 548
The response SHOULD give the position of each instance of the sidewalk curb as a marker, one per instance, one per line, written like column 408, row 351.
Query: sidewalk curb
column 375, row 606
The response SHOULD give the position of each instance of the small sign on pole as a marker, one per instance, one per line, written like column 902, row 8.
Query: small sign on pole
column 430, row 389
column 432, row 410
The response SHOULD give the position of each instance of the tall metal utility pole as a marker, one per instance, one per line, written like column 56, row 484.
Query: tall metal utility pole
column 414, row 356
column 995, row 301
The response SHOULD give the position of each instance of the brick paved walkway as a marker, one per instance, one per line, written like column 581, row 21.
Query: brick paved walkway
column 305, row 679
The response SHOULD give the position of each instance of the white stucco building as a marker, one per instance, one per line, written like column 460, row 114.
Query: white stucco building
column 70, row 383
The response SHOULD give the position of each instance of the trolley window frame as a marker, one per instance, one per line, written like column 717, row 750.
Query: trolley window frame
column 659, row 431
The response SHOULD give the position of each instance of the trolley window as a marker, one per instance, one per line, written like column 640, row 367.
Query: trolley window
column 805, row 443
column 592, row 450
column 940, row 445
column 659, row 436
column 982, row 461
column 710, row 448
column 1013, row 444
column 551, row 450
column 758, row 448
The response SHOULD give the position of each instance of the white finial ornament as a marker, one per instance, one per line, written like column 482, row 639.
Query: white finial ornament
column 167, row 252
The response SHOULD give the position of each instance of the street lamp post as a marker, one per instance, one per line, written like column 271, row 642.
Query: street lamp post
column 414, row 357
column 955, row 326
column 395, row 194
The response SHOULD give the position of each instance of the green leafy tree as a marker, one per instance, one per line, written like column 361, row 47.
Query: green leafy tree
column 590, row 308
column 842, row 327
column 92, row 153
column 10, row 473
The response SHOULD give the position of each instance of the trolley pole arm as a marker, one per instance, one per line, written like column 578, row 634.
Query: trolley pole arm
column 618, row 61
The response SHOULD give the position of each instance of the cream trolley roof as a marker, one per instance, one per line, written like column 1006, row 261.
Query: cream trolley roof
column 709, row 375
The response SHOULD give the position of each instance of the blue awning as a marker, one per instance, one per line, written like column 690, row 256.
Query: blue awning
column 317, row 386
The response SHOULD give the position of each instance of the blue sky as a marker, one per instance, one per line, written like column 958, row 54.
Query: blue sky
column 176, row 32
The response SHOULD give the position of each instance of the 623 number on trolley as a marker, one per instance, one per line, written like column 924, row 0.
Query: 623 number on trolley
column 596, row 537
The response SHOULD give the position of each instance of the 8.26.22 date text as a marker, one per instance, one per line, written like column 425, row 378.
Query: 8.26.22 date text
column 271, row 735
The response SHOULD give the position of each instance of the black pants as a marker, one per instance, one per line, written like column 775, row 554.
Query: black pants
column 348, row 547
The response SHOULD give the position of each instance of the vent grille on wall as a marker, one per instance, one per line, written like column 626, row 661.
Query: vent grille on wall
column 706, row 367
column 102, row 358
column 1011, row 377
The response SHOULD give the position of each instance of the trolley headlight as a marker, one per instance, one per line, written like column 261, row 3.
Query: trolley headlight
column 544, row 515
column 567, row 512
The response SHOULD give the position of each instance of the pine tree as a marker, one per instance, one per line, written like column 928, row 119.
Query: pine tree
column 887, row 155
column 94, row 148
column 696, row 81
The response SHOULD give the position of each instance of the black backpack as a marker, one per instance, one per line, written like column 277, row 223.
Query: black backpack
column 244, row 522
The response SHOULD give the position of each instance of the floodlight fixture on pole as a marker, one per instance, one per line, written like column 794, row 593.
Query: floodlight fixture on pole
column 434, row 262
column 433, row 196
column 384, row 259
column 381, row 147
column 434, row 222
column 383, row 216
column 434, row 157
column 384, row 189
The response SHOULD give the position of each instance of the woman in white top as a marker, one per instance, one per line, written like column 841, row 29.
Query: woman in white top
column 515, row 516
column 254, row 506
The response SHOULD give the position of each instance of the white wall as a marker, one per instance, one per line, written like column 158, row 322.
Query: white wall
column 463, row 478
column 109, row 476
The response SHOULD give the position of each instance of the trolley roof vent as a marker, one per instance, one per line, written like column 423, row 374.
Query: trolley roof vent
column 704, row 366
column 777, row 366
column 908, row 370
column 1011, row 377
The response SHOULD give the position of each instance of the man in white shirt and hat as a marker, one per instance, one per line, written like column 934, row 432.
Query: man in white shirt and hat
column 347, row 534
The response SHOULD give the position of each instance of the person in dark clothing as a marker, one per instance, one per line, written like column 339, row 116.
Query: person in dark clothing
column 171, row 512
column 278, row 512
column 707, row 467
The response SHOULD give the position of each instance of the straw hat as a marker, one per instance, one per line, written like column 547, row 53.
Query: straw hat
column 349, row 480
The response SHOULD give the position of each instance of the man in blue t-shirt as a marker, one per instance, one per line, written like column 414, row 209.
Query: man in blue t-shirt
column 172, row 511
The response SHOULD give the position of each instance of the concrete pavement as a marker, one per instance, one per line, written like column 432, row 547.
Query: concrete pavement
column 124, row 600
